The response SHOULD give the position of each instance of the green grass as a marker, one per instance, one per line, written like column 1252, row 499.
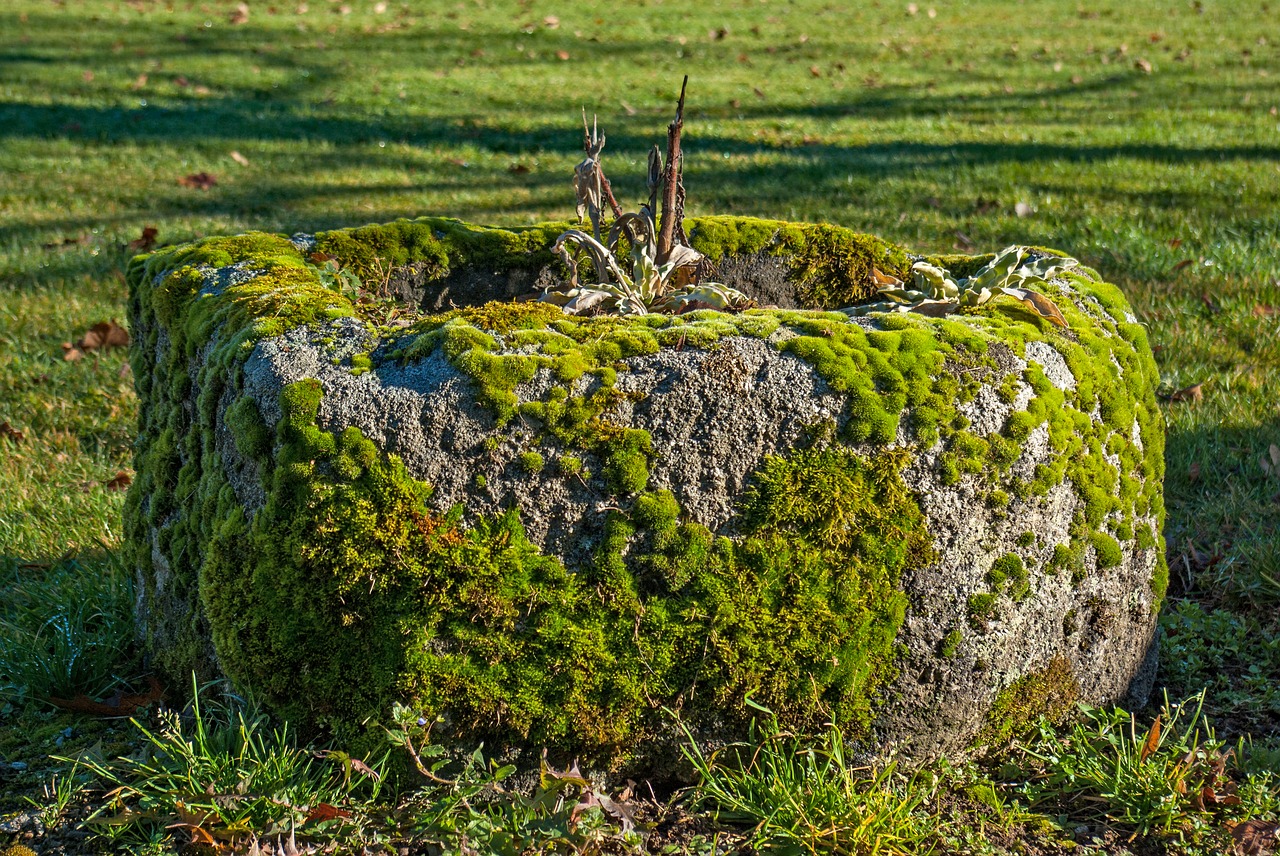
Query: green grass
column 927, row 130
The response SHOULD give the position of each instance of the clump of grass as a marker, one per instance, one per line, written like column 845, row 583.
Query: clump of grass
column 222, row 773
column 807, row 795
column 66, row 629
column 1168, row 779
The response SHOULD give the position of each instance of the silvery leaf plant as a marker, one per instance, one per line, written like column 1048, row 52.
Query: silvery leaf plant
column 934, row 291
column 655, row 278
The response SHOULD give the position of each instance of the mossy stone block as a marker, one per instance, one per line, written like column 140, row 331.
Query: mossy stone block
column 551, row 531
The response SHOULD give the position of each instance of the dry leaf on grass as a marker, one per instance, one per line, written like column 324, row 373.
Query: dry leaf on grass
column 8, row 431
column 323, row 811
column 239, row 158
column 1195, row 392
column 120, row 704
column 1270, row 461
column 145, row 241
column 1256, row 837
column 1152, row 743
column 1264, row 311
column 99, row 337
column 120, row 481
column 198, row 180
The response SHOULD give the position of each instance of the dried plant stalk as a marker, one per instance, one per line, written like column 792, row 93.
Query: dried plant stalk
column 671, row 228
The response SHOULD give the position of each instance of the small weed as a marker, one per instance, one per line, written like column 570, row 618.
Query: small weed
column 806, row 795
column 65, row 630
column 57, row 794
column 470, row 811
column 1165, row 779
column 222, row 773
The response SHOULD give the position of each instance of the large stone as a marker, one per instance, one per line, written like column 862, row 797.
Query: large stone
column 556, row 531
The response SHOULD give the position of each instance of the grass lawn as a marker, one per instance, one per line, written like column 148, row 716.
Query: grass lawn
column 1141, row 137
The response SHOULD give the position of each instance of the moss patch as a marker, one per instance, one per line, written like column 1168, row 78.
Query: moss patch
column 1050, row 692
column 346, row 571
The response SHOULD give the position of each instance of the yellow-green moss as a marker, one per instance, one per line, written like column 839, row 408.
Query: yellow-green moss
column 532, row 462
column 1050, row 692
column 951, row 644
column 17, row 850
column 346, row 571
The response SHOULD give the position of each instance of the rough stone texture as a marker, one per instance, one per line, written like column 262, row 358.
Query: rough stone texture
column 715, row 414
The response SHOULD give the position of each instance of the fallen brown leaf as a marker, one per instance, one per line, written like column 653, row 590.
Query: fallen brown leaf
column 198, row 180
column 323, row 811
column 1193, row 471
column 1264, row 311
column 7, row 430
column 119, row 704
column 1143, row 66
column 1152, row 743
column 120, row 481
column 1189, row 393
column 1270, row 462
column 145, row 241
column 1039, row 304
column 518, row 169
column 562, row 55
column 239, row 158
column 1256, row 837
column 1174, row 243
column 881, row 279
column 240, row 15
column 70, row 352
column 1182, row 264
column 103, row 335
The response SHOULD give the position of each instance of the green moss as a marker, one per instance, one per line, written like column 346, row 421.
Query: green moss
column 829, row 265
column 1107, row 550
column 1009, row 568
column 1065, row 557
column 532, row 462
column 487, row 648
column 951, row 644
column 1026, row 539
column 1050, row 692
column 570, row 465
column 361, row 363
column 982, row 608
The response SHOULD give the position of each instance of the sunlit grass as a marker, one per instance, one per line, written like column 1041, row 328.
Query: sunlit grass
column 927, row 129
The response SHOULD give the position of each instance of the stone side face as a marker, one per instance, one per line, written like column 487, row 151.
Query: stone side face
column 545, row 530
